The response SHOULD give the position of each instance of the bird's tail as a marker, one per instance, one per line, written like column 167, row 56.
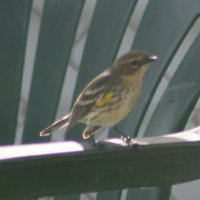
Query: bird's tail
column 55, row 126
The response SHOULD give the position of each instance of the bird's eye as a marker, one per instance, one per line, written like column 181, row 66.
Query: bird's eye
column 135, row 63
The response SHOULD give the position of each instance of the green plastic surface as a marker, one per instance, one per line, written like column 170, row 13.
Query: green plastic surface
column 180, row 97
column 14, row 18
column 106, row 31
column 94, row 168
column 58, row 27
column 107, row 27
column 162, row 29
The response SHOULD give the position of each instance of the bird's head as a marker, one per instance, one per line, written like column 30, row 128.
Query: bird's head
column 133, row 62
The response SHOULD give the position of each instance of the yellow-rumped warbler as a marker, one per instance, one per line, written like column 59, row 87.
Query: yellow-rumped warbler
column 109, row 97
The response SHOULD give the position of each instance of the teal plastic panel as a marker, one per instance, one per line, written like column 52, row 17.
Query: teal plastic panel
column 14, row 17
column 56, row 36
column 67, row 197
column 107, row 27
column 162, row 193
column 112, row 194
column 161, row 161
column 162, row 28
column 180, row 97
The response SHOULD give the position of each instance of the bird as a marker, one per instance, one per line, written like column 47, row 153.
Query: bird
column 109, row 97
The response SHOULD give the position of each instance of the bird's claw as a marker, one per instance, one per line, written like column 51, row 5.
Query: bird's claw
column 129, row 141
column 96, row 144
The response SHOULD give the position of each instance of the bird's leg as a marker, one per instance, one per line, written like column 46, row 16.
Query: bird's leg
column 97, row 144
column 90, row 132
column 93, row 139
column 125, row 138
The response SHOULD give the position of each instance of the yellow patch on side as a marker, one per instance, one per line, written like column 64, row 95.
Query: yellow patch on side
column 104, row 100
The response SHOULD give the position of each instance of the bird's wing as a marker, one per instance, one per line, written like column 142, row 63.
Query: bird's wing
column 96, row 93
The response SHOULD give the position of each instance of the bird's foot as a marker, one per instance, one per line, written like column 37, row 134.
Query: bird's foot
column 97, row 144
column 130, row 141
column 127, row 139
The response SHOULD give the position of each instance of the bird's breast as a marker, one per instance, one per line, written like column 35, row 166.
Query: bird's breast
column 113, row 112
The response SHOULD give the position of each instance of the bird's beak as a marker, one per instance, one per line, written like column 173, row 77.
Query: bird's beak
column 152, row 58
